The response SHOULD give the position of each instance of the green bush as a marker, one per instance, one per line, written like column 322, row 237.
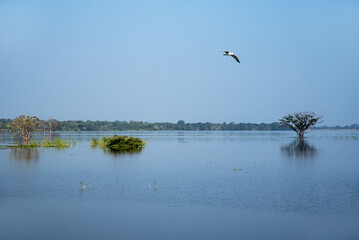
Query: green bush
column 119, row 143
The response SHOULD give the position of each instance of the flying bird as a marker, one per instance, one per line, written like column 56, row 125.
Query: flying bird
column 228, row 53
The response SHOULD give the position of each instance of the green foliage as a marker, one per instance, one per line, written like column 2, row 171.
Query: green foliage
column 300, row 122
column 25, row 126
column 165, row 126
column 31, row 144
column 119, row 143
column 98, row 142
column 180, row 122
column 34, row 143
column 57, row 143
column 94, row 142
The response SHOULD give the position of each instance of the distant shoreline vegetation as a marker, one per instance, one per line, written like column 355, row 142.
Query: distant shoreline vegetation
column 165, row 126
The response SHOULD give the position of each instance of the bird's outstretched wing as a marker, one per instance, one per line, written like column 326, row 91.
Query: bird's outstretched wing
column 225, row 51
column 235, row 57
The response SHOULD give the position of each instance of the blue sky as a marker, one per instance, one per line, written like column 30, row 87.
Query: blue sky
column 159, row 60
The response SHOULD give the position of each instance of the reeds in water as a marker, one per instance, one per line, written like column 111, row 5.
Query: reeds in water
column 58, row 143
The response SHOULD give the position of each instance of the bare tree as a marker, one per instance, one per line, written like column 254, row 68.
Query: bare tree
column 300, row 122
column 52, row 125
column 25, row 126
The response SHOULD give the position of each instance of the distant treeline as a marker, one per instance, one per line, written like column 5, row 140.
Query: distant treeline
column 165, row 126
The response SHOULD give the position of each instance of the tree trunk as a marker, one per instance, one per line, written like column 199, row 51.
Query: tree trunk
column 27, row 137
column 301, row 135
column 50, row 132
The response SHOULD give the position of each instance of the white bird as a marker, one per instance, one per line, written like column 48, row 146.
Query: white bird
column 228, row 53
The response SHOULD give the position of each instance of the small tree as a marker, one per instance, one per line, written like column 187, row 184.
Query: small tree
column 300, row 122
column 25, row 126
column 52, row 125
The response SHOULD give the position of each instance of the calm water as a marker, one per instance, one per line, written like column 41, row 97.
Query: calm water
column 184, row 185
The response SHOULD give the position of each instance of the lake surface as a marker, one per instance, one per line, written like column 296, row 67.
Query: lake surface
column 184, row 185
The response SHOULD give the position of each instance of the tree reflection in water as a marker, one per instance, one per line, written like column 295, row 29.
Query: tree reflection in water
column 24, row 154
column 299, row 148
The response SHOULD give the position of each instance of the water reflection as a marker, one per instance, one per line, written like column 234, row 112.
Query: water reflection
column 181, row 137
column 299, row 148
column 16, row 139
column 26, row 154
column 121, row 153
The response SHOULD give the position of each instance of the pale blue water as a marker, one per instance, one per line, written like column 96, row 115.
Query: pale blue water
column 183, row 186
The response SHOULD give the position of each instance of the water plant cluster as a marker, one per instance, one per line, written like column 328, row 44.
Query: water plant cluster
column 119, row 143
column 56, row 143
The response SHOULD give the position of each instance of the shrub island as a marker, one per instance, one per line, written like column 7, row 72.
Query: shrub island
column 119, row 143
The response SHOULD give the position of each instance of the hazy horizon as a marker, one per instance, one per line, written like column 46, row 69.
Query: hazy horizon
column 158, row 61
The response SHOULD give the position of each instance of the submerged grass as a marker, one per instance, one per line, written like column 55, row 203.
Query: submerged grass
column 94, row 142
column 56, row 143
column 83, row 186
column 99, row 142
column 32, row 144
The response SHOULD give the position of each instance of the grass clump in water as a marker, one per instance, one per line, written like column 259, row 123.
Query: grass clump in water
column 31, row 144
column 94, row 142
column 57, row 143
column 119, row 143
column 99, row 142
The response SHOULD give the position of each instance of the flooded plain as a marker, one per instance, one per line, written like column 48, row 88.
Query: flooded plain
column 184, row 185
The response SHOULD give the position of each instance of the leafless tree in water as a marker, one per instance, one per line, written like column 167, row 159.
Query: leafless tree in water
column 52, row 124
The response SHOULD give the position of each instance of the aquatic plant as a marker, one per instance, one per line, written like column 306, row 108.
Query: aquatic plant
column 74, row 143
column 94, row 142
column 58, row 143
column 237, row 169
column 119, row 143
column 98, row 142
column 154, row 184
column 83, row 185
column 31, row 144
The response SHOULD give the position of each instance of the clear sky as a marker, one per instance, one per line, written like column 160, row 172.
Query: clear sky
column 158, row 60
